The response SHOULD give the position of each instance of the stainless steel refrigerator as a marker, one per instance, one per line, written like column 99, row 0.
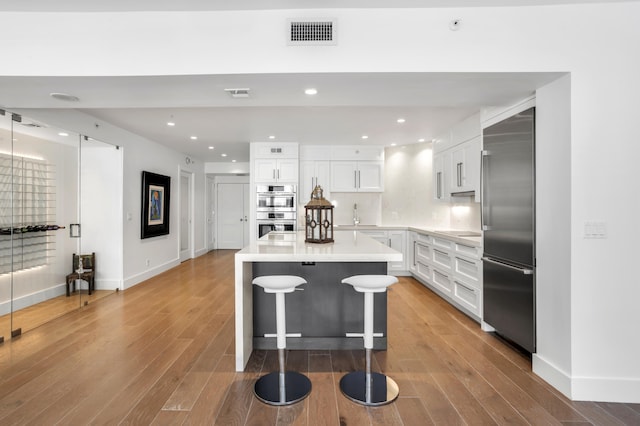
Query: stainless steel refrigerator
column 508, row 222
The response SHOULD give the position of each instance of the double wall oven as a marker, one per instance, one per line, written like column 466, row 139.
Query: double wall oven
column 276, row 208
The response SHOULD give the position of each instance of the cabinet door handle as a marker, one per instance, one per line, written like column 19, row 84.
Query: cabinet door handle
column 355, row 179
column 459, row 171
column 469, row 289
column 438, row 185
column 414, row 252
column 273, row 173
column 358, row 179
column 278, row 173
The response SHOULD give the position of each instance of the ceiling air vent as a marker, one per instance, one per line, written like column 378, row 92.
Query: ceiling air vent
column 312, row 32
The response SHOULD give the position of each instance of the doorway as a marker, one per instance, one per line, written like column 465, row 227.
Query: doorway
column 232, row 201
column 186, row 216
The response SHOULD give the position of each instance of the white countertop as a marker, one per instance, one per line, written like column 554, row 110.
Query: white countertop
column 348, row 246
column 452, row 234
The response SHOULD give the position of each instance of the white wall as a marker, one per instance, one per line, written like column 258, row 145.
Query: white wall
column 593, row 42
column 404, row 204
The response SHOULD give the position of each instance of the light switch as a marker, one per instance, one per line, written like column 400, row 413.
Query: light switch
column 595, row 230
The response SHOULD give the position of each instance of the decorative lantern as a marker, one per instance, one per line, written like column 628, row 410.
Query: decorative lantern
column 318, row 215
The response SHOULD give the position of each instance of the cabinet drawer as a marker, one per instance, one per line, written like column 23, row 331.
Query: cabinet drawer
column 469, row 269
column 422, row 238
column 467, row 296
column 441, row 259
column 470, row 251
column 442, row 243
column 442, row 281
column 424, row 271
column 423, row 253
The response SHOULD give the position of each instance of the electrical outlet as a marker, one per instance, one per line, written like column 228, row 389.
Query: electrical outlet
column 595, row 230
column 147, row 262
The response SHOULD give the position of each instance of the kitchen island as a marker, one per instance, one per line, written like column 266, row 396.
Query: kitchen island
column 324, row 306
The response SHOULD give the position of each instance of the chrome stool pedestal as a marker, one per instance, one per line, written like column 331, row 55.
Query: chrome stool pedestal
column 281, row 387
column 367, row 387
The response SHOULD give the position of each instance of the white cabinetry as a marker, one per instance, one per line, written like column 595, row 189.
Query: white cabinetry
column 313, row 173
column 456, row 161
column 465, row 167
column 271, row 170
column 357, row 169
column 451, row 268
column 275, row 163
column 357, row 176
column 397, row 240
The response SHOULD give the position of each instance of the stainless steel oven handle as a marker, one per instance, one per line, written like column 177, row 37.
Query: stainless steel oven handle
column 525, row 271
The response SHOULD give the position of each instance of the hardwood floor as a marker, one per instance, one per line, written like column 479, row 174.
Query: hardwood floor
column 162, row 353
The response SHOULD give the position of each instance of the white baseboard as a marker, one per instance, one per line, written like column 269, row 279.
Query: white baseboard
column 551, row 374
column 600, row 389
column 150, row 273
column 108, row 284
column 27, row 300
column 201, row 252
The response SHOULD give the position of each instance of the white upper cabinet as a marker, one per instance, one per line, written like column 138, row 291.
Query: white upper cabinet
column 273, row 171
column 357, row 176
column 357, row 169
column 465, row 168
column 313, row 173
column 456, row 161
column 275, row 163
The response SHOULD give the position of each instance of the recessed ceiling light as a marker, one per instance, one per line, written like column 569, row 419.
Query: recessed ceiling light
column 421, row 140
column 63, row 134
column 401, row 120
column 311, row 91
column 233, row 161
column 223, row 155
column 365, row 137
column 64, row 97
column 170, row 123
column 393, row 144
column 272, row 137
column 210, row 147
column 194, row 138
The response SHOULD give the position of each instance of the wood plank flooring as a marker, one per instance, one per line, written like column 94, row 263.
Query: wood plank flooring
column 162, row 353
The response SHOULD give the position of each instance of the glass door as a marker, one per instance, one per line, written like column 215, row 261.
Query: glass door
column 42, row 202
column 6, row 225
column 100, row 216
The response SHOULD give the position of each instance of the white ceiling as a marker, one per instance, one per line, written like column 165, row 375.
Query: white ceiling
column 347, row 106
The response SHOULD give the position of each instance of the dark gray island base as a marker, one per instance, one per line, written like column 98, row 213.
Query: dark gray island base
column 324, row 311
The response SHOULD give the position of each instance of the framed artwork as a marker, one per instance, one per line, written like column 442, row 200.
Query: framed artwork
column 156, row 190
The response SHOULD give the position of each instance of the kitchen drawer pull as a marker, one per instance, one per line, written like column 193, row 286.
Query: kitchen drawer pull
column 472, row 290
column 444, row 253
column 468, row 262
column 506, row 265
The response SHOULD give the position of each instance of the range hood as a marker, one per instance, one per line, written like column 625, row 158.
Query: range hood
column 464, row 194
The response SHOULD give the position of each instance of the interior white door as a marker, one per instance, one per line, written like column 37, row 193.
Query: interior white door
column 232, row 215
column 185, row 216
column 211, row 212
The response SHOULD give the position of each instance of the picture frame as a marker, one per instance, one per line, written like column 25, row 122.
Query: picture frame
column 156, row 191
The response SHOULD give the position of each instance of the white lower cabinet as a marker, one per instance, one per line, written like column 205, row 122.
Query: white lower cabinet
column 397, row 240
column 452, row 269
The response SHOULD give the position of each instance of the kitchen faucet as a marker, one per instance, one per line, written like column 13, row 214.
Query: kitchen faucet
column 356, row 219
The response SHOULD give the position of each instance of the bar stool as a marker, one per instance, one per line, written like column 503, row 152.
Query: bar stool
column 281, row 387
column 365, row 387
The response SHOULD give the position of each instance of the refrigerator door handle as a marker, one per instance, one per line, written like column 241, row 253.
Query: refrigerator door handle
column 525, row 271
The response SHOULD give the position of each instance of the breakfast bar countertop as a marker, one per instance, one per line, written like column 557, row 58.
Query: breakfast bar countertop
column 348, row 246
